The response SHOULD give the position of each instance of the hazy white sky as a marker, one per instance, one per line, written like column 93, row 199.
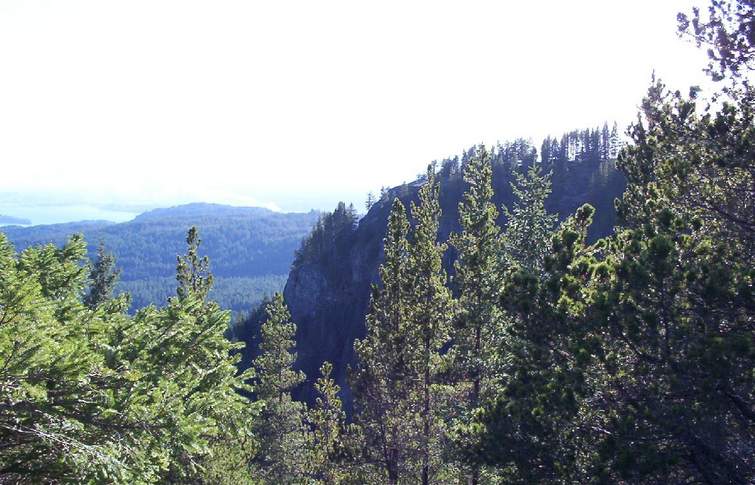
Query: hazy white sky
column 300, row 104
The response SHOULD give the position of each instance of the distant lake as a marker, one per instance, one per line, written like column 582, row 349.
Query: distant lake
column 54, row 214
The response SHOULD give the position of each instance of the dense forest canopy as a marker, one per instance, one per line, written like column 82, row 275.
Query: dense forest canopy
column 503, row 342
column 251, row 249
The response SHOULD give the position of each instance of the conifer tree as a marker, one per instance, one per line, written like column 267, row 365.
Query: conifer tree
column 728, row 32
column 431, row 314
column 528, row 424
column 614, row 142
column 192, row 272
column 477, row 284
column 104, row 276
column 605, row 142
column 102, row 397
column 632, row 362
column 675, row 307
column 385, row 380
column 370, row 201
column 327, row 420
column 281, row 431
column 528, row 224
column 198, row 363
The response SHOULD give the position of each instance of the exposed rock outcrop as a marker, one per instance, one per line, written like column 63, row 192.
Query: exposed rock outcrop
column 329, row 297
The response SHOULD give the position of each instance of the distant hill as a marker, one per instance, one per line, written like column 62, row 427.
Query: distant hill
column 13, row 220
column 250, row 248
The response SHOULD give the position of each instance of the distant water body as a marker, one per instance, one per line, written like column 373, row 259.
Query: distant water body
column 54, row 214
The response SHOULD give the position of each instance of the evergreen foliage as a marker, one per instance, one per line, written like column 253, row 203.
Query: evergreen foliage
column 103, row 279
column 628, row 360
column 280, row 429
column 332, row 437
column 93, row 395
column 192, row 272
column 274, row 374
column 545, row 357
column 729, row 32
column 528, row 223
column 527, row 428
column 251, row 249
column 432, row 311
column 631, row 360
column 385, row 380
column 477, row 324
column 327, row 234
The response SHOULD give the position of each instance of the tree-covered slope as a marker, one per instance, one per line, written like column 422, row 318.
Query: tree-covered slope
column 328, row 288
column 251, row 248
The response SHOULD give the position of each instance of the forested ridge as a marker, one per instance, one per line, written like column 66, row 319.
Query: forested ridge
column 251, row 249
column 328, row 288
column 503, row 341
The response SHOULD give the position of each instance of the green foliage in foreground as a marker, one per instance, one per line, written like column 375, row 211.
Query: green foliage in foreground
column 95, row 395
column 629, row 360
column 548, row 361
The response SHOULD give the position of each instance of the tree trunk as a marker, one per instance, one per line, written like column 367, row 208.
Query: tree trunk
column 426, row 419
column 474, row 478
column 393, row 467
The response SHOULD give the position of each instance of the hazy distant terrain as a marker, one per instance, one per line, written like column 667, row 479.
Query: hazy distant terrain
column 33, row 209
column 250, row 249
column 13, row 220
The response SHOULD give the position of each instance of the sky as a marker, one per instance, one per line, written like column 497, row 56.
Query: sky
column 298, row 104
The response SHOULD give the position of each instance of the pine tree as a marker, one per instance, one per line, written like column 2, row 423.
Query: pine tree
column 728, row 31
column 595, row 149
column 197, row 363
column 677, row 296
column 323, row 243
column 385, row 381
column 192, row 272
column 103, row 397
column 104, row 276
column 477, row 284
column 526, row 427
column 370, row 201
column 431, row 314
column 327, row 420
column 614, row 143
column 605, row 143
column 280, row 429
column 528, row 224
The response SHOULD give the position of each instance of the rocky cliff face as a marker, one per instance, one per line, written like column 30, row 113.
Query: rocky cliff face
column 328, row 301
column 329, row 297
